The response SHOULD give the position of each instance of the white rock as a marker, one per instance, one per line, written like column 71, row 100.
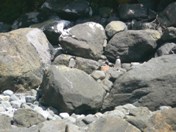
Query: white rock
column 6, row 105
column 44, row 113
column 4, row 98
column 13, row 98
column 8, row 92
column 98, row 74
column 30, row 99
column 16, row 104
column 64, row 115
column 165, row 107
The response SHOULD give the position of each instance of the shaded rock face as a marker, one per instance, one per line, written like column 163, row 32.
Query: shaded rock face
column 132, row 45
column 151, row 84
column 23, row 53
column 84, row 40
column 68, row 9
column 71, row 90
column 111, row 124
column 166, row 16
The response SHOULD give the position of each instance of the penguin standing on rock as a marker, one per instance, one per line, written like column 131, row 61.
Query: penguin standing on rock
column 117, row 64
column 72, row 62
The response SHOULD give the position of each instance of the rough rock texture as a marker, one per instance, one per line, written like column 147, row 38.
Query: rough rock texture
column 169, row 35
column 84, row 40
column 166, row 17
column 111, row 124
column 86, row 65
column 71, row 90
column 151, row 84
column 27, row 117
column 165, row 49
column 114, row 27
column 5, row 122
column 132, row 46
column 162, row 121
column 23, row 54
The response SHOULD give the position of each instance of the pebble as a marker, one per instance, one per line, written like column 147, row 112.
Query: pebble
column 98, row 74
column 64, row 115
column 8, row 92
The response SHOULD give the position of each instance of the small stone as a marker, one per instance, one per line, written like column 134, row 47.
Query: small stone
column 13, row 98
column 98, row 114
column 4, row 98
column 89, row 119
column 30, row 99
column 165, row 107
column 64, row 115
column 16, row 104
column 6, row 104
column 105, row 68
column 44, row 113
column 8, row 92
column 98, row 74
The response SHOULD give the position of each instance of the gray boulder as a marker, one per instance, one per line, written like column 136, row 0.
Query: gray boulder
column 111, row 124
column 27, row 117
column 169, row 35
column 71, row 90
column 132, row 46
column 23, row 54
column 132, row 11
column 4, row 27
column 151, row 84
column 165, row 49
column 84, row 40
column 86, row 65
column 166, row 16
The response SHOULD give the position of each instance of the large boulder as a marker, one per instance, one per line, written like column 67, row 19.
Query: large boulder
column 23, row 54
column 166, row 17
column 84, row 40
column 132, row 45
column 151, row 84
column 71, row 90
column 111, row 124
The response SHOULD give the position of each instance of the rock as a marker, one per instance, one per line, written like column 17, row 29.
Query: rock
column 169, row 35
column 84, row 40
column 4, row 27
column 89, row 119
column 132, row 46
column 58, row 126
column 16, row 104
column 132, row 11
column 71, row 90
column 162, row 121
column 165, row 49
column 8, row 92
column 139, row 117
column 21, row 129
column 53, row 28
column 114, row 27
column 166, row 16
column 5, row 122
column 111, row 124
column 28, row 19
column 64, row 115
column 68, row 9
column 30, row 99
column 98, row 74
column 105, row 12
column 27, row 118
column 146, row 85
column 86, row 65
column 23, row 54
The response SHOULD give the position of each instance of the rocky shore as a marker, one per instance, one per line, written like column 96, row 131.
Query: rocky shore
column 80, row 66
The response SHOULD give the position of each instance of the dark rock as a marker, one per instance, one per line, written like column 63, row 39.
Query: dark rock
column 169, row 35
column 162, row 4
column 68, row 9
column 71, row 90
column 132, row 11
column 27, row 118
column 5, row 122
column 84, row 40
column 4, row 27
column 28, row 19
column 162, row 121
column 166, row 16
column 86, row 65
column 132, row 46
column 23, row 54
column 151, row 84
column 111, row 124
column 53, row 28
column 165, row 49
